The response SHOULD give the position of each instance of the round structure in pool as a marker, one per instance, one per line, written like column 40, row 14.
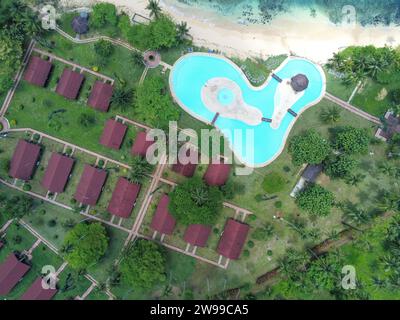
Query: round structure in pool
column 258, row 145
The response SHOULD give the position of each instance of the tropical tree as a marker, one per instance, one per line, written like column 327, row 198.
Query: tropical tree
column 386, row 168
column 182, row 30
column 143, row 265
column 340, row 166
column 315, row 200
column 356, row 215
column 154, row 7
column 331, row 115
column 351, row 140
column 85, row 244
column 122, row 98
column 194, row 202
column 309, row 147
column 104, row 48
column 140, row 169
column 355, row 179
column 137, row 58
column 103, row 14
column 389, row 202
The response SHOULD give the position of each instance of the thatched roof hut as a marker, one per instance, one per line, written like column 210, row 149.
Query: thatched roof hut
column 299, row 82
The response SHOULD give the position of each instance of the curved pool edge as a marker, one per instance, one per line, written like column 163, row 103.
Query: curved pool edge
column 258, row 88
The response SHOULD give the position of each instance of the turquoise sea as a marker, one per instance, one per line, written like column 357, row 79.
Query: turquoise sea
column 368, row 12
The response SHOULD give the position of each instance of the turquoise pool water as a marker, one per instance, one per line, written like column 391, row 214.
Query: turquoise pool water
column 191, row 73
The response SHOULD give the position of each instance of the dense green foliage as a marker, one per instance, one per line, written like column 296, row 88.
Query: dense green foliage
column 103, row 14
column 309, row 148
column 140, row 168
column 340, row 166
column 273, row 183
column 104, row 48
column 154, row 105
column 15, row 206
column 351, row 140
column 85, row 244
column 17, row 24
column 193, row 202
column 143, row 265
column 315, row 200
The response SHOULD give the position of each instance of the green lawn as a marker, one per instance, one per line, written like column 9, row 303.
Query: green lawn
column 335, row 86
column 374, row 97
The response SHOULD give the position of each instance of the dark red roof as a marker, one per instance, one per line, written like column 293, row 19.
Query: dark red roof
column 197, row 234
column 233, row 238
column 123, row 198
column 57, row 172
column 24, row 160
column 100, row 96
column 37, row 292
column 141, row 145
column 90, row 185
column 188, row 166
column 163, row 221
column 113, row 134
column 217, row 174
column 11, row 272
column 38, row 71
column 69, row 84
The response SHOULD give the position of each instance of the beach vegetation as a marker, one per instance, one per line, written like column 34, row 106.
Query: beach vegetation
column 103, row 14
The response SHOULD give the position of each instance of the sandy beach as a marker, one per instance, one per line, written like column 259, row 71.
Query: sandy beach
column 313, row 38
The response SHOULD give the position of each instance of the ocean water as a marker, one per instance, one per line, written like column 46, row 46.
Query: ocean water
column 364, row 12
column 192, row 72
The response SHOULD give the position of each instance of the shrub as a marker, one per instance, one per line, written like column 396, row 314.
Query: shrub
column 250, row 244
column 52, row 223
column 104, row 48
column 87, row 119
column 27, row 187
column 273, row 183
column 278, row 204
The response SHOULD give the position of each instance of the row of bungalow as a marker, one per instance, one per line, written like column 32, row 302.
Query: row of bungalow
column 69, row 84
column 12, row 270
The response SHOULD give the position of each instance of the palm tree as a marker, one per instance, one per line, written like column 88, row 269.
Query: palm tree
column 355, row 179
column 199, row 195
column 140, row 168
column 355, row 215
column 390, row 202
column 386, row 168
column 137, row 58
column 122, row 98
column 154, row 7
column 182, row 30
column 390, row 263
column 331, row 115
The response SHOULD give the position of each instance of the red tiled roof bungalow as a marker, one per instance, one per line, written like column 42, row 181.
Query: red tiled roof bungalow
column 141, row 144
column 113, row 134
column 11, row 272
column 37, row 292
column 57, row 172
column 123, row 198
column 38, row 71
column 197, row 234
column 232, row 240
column 217, row 174
column 163, row 221
column 189, row 168
column 24, row 160
column 70, row 84
column 100, row 96
column 90, row 185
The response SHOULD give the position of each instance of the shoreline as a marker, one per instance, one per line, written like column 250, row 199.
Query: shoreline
column 312, row 38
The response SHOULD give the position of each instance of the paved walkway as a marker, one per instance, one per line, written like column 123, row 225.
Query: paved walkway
column 118, row 42
column 353, row 109
column 73, row 65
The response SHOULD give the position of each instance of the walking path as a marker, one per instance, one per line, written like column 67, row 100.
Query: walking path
column 353, row 109
column 55, row 250
column 117, row 42
column 73, row 65
column 6, row 225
